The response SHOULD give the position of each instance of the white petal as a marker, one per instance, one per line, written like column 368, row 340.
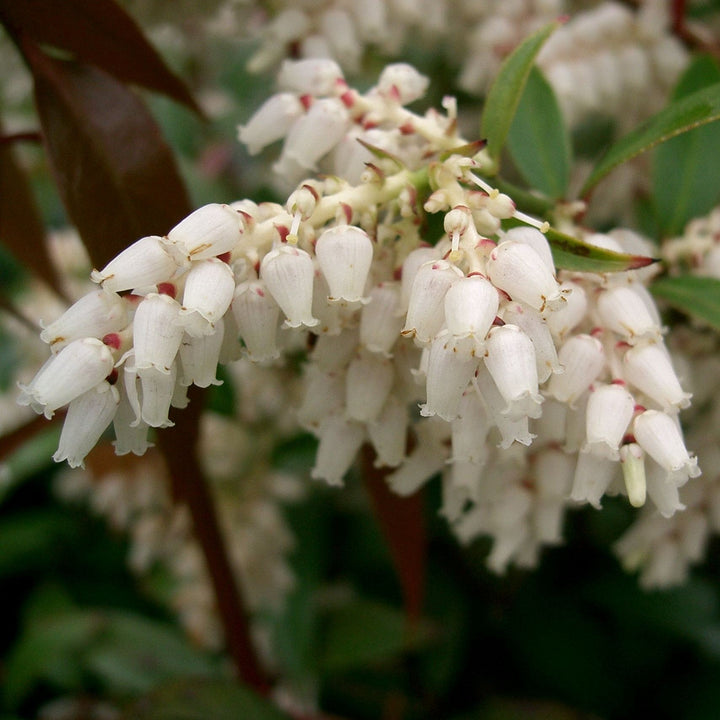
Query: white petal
column 199, row 358
column 257, row 314
column 209, row 288
column 158, row 388
column 648, row 368
column 345, row 253
column 583, row 359
column 609, row 411
column 156, row 332
column 471, row 305
column 368, row 382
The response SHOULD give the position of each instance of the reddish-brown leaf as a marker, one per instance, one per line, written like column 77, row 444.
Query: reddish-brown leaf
column 98, row 32
column 21, row 227
column 116, row 174
column 402, row 522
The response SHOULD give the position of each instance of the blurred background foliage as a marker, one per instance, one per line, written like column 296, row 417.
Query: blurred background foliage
column 84, row 638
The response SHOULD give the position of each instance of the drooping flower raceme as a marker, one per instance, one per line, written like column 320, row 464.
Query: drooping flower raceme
column 529, row 390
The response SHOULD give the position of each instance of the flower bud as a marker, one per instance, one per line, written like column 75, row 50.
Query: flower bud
column 207, row 232
column 632, row 458
column 288, row 273
column 345, row 253
column 402, row 82
column 143, row 264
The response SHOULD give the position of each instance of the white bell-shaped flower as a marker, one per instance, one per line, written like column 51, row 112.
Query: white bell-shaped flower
column 532, row 323
column 156, row 332
column 593, row 476
column 312, row 76
column 471, row 305
column 209, row 289
column 77, row 368
column 664, row 494
column 315, row 133
column 583, row 358
column 412, row 263
column 329, row 315
column 564, row 319
column 608, row 413
column 367, row 385
column 388, row 433
column 271, row 121
column 143, row 264
column 288, row 273
column 426, row 309
column 536, row 240
column 130, row 436
column 647, row 366
column 207, row 232
column 324, row 396
column 199, row 358
column 624, row 312
column 345, row 253
column 427, row 458
column 158, row 389
column 257, row 316
column 659, row 435
column 340, row 440
column 93, row 315
column 518, row 270
column 553, row 471
column 470, row 429
column 450, row 369
column 510, row 359
column 380, row 320
column 333, row 353
column 87, row 418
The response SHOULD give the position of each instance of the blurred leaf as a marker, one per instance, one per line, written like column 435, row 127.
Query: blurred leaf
column 98, row 32
column 538, row 140
column 49, row 650
column 696, row 296
column 115, row 173
column 697, row 109
column 134, row 654
column 684, row 174
column 507, row 89
column 364, row 632
column 21, row 227
column 204, row 700
column 28, row 459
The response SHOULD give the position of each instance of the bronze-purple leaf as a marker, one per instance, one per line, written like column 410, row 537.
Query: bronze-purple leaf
column 98, row 32
column 21, row 226
column 115, row 173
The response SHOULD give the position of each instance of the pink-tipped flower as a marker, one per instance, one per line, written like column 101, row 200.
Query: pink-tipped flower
column 517, row 269
column 209, row 288
column 207, row 232
column 77, row 368
column 510, row 359
column 659, row 435
column 143, row 264
column 402, row 83
column 93, row 315
column 345, row 253
column 257, row 314
column 87, row 418
column 288, row 273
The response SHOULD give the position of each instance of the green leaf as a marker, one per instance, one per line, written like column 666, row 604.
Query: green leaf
column 507, row 89
column 205, row 699
column 697, row 109
column 685, row 182
column 696, row 296
column 116, row 175
column 539, row 142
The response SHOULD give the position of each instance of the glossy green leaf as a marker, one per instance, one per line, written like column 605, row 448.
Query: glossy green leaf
column 507, row 89
column 99, row 32
column 684, row 177
column 693, row 111
column 538, row 141
column 205, row 700
column 116, row 175
column 696, row 296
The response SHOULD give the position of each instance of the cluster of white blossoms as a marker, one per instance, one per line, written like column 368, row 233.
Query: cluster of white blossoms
column 530, row 390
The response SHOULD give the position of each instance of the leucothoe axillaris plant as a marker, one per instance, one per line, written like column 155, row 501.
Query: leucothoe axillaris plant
column 463, row 352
